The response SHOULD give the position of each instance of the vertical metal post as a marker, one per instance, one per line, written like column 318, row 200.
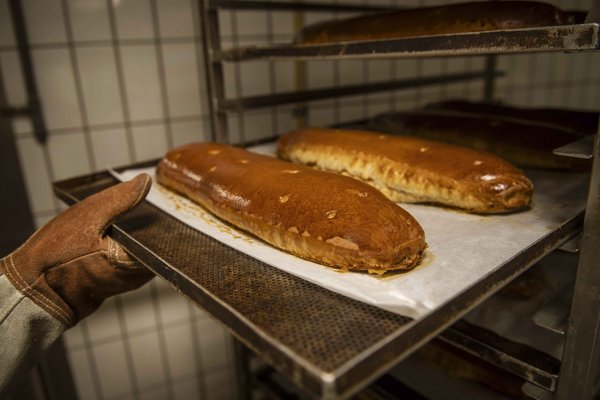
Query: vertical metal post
column 272, row 76
column 209, row 21
column 242, row 366
column 300, row 110
column 490, row 78
column 579, row 374
column 33, row 101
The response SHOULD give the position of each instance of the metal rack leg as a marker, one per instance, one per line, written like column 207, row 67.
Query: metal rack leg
column 490, row 78
column 579, row 375
column 209, row 21
column 242, row 369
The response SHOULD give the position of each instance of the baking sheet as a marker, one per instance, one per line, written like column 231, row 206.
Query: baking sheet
column 463, row 248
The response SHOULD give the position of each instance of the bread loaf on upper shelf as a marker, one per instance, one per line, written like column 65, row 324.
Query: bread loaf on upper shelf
column 454, row 18
column 413, row 170
column 322, row 217
column 524, row 143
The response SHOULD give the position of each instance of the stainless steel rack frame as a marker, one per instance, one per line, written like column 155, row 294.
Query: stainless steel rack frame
column 214, row 57
column 332, row 346
column 580, row 369
column 577, row 375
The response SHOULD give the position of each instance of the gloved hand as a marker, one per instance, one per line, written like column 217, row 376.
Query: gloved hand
column 69, row 266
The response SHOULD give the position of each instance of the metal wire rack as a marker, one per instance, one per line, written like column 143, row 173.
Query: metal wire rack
column 579, row 37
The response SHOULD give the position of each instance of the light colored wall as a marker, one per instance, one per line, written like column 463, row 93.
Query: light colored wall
column 121, row 81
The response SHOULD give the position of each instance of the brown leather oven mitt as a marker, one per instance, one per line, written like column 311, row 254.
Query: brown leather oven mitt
column 69, row 266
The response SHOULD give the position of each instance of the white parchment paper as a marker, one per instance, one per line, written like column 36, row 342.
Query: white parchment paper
column 463, row 248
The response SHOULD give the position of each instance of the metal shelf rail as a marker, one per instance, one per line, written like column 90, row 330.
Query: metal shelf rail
column 555, row 38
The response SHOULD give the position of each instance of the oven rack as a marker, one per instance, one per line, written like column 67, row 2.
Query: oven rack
column 329, row 345
column 578, row 37
column 581, row 37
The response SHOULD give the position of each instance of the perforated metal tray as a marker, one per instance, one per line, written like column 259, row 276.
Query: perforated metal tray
column 329, row 345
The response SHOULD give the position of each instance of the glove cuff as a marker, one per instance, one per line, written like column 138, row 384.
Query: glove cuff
column 35, row 287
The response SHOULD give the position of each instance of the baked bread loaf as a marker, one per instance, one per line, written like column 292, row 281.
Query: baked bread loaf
column 424, row 21
column 327, row 218
column 580, row 122
column 413, row 170
column 527, row 145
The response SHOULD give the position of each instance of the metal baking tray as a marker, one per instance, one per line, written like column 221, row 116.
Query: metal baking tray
column 330, row 345
column 577, row 37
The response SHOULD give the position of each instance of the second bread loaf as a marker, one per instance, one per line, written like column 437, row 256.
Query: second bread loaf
column 413, row 170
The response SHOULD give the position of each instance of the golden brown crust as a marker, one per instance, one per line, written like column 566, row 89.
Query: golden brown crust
column 413, row 170
column 454, row 18
column 322, row 217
